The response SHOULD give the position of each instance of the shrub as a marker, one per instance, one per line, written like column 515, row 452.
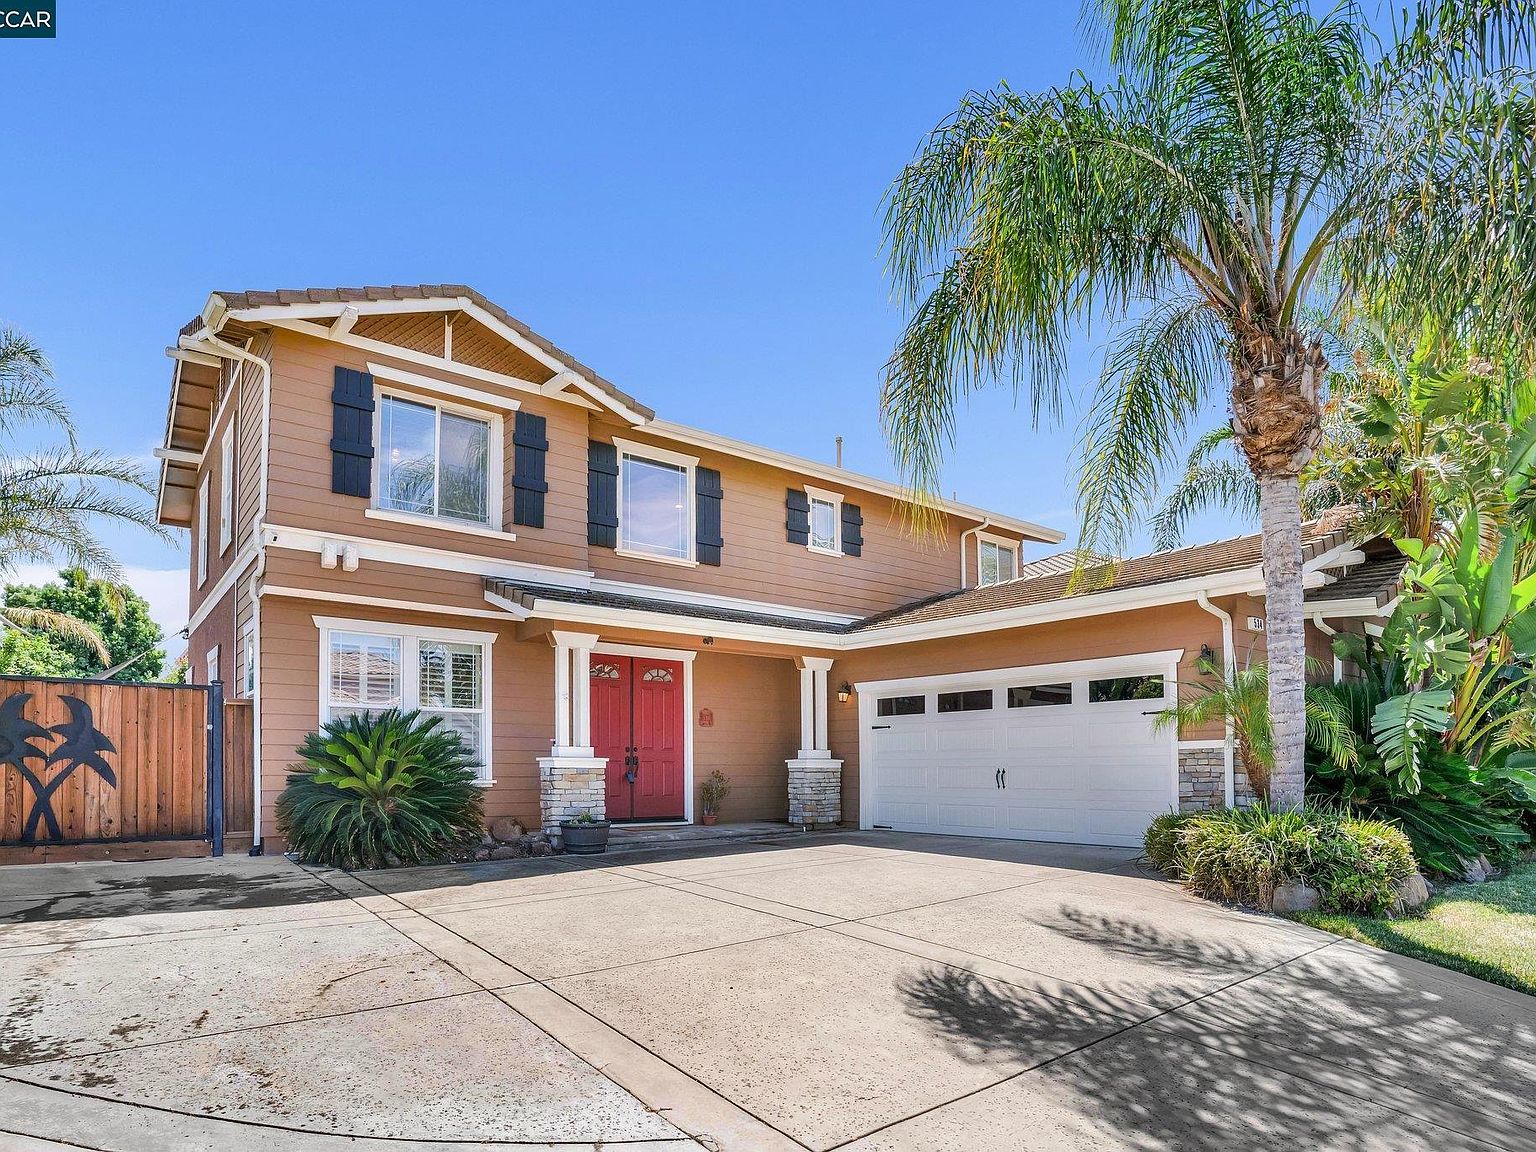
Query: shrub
column 380, row 790
column 1243, row 855
column 716, row 787
column 1164, row 843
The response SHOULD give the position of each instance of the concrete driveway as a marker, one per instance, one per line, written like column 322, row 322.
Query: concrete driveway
column 860, row 990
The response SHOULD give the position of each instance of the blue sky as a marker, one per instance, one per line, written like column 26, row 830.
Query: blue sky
column 686, row 196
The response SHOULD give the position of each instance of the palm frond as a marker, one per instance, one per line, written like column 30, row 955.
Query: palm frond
column 27, row 395
column 1154, row 382
column 60, row 624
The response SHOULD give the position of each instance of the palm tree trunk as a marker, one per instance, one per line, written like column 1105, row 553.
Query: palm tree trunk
column 1285, row 633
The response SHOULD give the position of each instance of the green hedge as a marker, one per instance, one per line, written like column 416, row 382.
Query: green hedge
column 1242, row 855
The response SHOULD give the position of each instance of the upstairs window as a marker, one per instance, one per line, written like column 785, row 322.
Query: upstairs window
column 656, row 505
column 227, row 488
column 434, row 461
column 826, row 516
column 202, row 541
column 998, row 561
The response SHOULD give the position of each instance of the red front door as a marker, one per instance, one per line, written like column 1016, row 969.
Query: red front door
column 637, row 723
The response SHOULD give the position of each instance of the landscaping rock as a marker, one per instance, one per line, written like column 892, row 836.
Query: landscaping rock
column 1411, row 894
column 507, row 830
column 510, row 852
column 482, row 853
column 1475, row 871
column 1295, row 898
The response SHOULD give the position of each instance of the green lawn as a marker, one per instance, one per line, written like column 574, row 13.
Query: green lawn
column 1486, row 930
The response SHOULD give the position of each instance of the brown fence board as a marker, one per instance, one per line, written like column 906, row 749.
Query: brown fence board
column 155, row 786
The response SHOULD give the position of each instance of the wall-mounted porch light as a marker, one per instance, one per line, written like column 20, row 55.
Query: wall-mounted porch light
column 844, row 690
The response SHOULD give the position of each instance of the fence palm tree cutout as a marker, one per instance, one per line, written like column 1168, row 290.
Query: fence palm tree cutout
column 82, row 744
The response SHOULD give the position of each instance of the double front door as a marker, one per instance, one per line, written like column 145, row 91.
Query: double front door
column 637, row 723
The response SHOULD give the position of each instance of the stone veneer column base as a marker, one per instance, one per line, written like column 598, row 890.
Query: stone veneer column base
column 569, row 786
column 815, row 792
column 1202, row 783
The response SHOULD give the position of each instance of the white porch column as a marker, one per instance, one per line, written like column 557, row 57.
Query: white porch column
column 573, row 692
column 813, row 706
column 571, row 777
column 815, row 779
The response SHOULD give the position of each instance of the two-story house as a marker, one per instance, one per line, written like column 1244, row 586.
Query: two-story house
column 403, row 496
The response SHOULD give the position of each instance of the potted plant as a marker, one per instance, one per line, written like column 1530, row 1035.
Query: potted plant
column 716, row 787
column 584, row 835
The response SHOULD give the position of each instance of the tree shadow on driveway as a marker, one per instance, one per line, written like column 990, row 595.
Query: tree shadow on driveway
column 1342, row 1048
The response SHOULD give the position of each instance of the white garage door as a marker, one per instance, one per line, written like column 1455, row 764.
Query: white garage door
column 1065, row 753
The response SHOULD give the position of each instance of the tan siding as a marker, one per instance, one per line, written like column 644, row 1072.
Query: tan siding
column 759, row 563
column 300, row 486
column 756, row 709
column 218, row 627
column 376, row 580
column 219, row 559
column 248, row 446
column 522, row 701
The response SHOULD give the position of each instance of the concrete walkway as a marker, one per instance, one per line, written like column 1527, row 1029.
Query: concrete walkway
column 860, row 990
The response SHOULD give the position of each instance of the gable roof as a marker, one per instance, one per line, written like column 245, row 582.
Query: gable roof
column 238, row 302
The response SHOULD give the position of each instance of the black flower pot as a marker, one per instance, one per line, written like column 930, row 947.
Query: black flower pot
column 584, row 839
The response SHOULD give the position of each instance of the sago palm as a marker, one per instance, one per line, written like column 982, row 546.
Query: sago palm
column 52, row 498
column 1244, row 149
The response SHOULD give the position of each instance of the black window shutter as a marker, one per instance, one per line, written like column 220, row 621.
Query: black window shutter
column 602, row 494
column 707, row 497
column 529, row 446
column 853, row 530
column 797, row 516
column 352, row 433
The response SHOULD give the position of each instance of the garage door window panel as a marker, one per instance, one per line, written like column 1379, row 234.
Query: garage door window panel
column 1119, row 688
column 1040, row 695
column 901, row 706
column 972, row 700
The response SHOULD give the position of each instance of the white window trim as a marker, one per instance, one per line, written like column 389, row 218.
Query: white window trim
column 211, row 662
column 689, row 464
column 1005, row 543
column 494, row 464
column 835, row 499
column 227, row 489
column 203, row 534
column 410, row 669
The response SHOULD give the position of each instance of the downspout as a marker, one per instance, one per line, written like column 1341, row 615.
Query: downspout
column 1330, row 632
column 206, row 337
column 985, row 524
column 1229, row 673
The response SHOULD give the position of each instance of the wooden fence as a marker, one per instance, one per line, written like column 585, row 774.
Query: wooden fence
column 101, row 768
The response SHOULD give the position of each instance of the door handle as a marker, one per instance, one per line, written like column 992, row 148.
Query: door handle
column 1004, row 773
column 997, row 778
column 878, row 727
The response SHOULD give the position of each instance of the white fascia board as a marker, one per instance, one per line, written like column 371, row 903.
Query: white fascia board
column 1355, row 606
column 510, row 607
column 418, row 556
column 1336, row 556
column 178, row 456
column 842, row 476
column 330, row 309
column 326, row 596
column 436, row 387
column 1137, row 662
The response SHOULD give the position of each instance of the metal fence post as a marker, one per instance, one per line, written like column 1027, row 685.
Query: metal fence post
column 216, row 765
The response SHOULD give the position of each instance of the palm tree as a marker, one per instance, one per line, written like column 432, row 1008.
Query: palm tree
column 51, row 499
column 1245, row 148
column 1412, row 439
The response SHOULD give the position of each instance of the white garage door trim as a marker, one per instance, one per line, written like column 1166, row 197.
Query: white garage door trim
column 1165, row 663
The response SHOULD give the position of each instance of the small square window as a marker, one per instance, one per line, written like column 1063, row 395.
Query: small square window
column 1039, row 695
column 901, row 706
column 433, row 462
column 975, row 700
column 1125, row 688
